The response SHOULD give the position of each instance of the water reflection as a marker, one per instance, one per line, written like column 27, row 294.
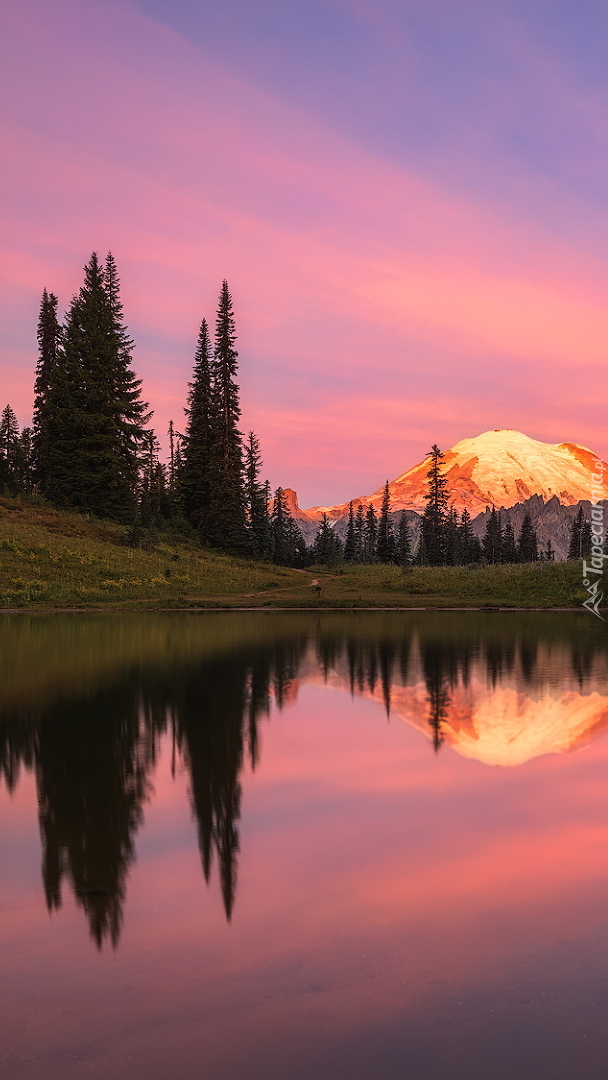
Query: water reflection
column 86, row 700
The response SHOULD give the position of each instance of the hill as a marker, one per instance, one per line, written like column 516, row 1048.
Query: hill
column 50, row 559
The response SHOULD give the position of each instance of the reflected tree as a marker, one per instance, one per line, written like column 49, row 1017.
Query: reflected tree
column 437, row 687
column 92, row 767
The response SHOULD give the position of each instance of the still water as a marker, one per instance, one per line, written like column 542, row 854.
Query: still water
column 297, row 846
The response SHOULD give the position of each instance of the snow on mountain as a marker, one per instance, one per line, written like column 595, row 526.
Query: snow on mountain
column 498, row 468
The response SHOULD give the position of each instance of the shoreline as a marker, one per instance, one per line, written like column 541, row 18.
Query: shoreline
column 267, row 610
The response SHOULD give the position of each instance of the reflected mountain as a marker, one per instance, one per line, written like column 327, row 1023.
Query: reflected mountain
column 85, row 701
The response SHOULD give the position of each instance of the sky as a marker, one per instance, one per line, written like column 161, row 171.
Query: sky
column 408, row 198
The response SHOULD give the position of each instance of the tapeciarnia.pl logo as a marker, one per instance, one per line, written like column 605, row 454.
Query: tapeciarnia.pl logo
column 593, row 571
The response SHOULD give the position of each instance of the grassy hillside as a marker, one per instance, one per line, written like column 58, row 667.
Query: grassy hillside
column 55, row 559
column 51, row 559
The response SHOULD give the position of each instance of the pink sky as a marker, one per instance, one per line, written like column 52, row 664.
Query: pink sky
column 384, row 300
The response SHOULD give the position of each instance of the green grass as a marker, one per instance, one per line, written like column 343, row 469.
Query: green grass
column 52, row 559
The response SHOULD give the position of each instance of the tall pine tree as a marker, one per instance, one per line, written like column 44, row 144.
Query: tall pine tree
column 49, row 341
column 9, row 450
column 385, row 543
column 370, row 535
column 434, row 520
column 227, row 519
column 527, row 546
column 96, row 419
column 195, row 474
column 350, row 542
column 404, row 542
column 359, row 533
column 258, row 513
column 492, row 542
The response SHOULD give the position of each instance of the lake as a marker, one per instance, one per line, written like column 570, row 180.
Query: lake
column 292, row 846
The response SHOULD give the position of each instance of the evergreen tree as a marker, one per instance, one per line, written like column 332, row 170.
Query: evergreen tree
column 350, row 543
column 9, row 449
column 195, row 473
column 24, row 462
column 359, row 533
column 227, row 516
column 385, row 542
column 96, row 419
column 549, row 552
column 125, row 410
column 49, row 341
column 258, row 515
column 453, row 555
column 326, row 547
column 434, row 519
column 298, row 552
column 470, row 550
column 575, row 550
column 492, row 539
column 154, row 499
column 288, row 543
column 509, row 545
column 174, row 471
column 586, row 539
column 370, row 535
column 403, row 554
column 527, row 546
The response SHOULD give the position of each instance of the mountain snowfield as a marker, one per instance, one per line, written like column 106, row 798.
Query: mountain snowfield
column 498, row 468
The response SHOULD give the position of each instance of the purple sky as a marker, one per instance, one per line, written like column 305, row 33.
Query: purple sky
column 409, row 201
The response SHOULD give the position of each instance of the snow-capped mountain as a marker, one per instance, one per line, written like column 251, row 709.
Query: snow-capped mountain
column 501, row 468
column 497, row 468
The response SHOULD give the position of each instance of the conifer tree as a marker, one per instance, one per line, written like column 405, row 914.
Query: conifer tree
column 359, row 533
column 509, row 545
column 385, row 542
column 154, row 500
column 49, row 341
column 350, row 543
column 280, row 528
column 453, row 556
column 96, row 419
column 403, row 554
column 288, row 543
column 195, row 474
column 435, row 514
column 258, row 515
column 586, row 539
column 527, row 545
column 9, row 449
column 326, row 546
column 469, row 544
column 24, row 462
column 227, row 521
column 575, row 550
column 492, row 538
column 370, row 535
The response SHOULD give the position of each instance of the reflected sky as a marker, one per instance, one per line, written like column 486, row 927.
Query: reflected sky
column 401, row 822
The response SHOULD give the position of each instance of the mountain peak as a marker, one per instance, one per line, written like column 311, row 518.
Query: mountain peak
column 499, row 467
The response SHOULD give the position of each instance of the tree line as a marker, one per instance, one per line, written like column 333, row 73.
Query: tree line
column 91, row 449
